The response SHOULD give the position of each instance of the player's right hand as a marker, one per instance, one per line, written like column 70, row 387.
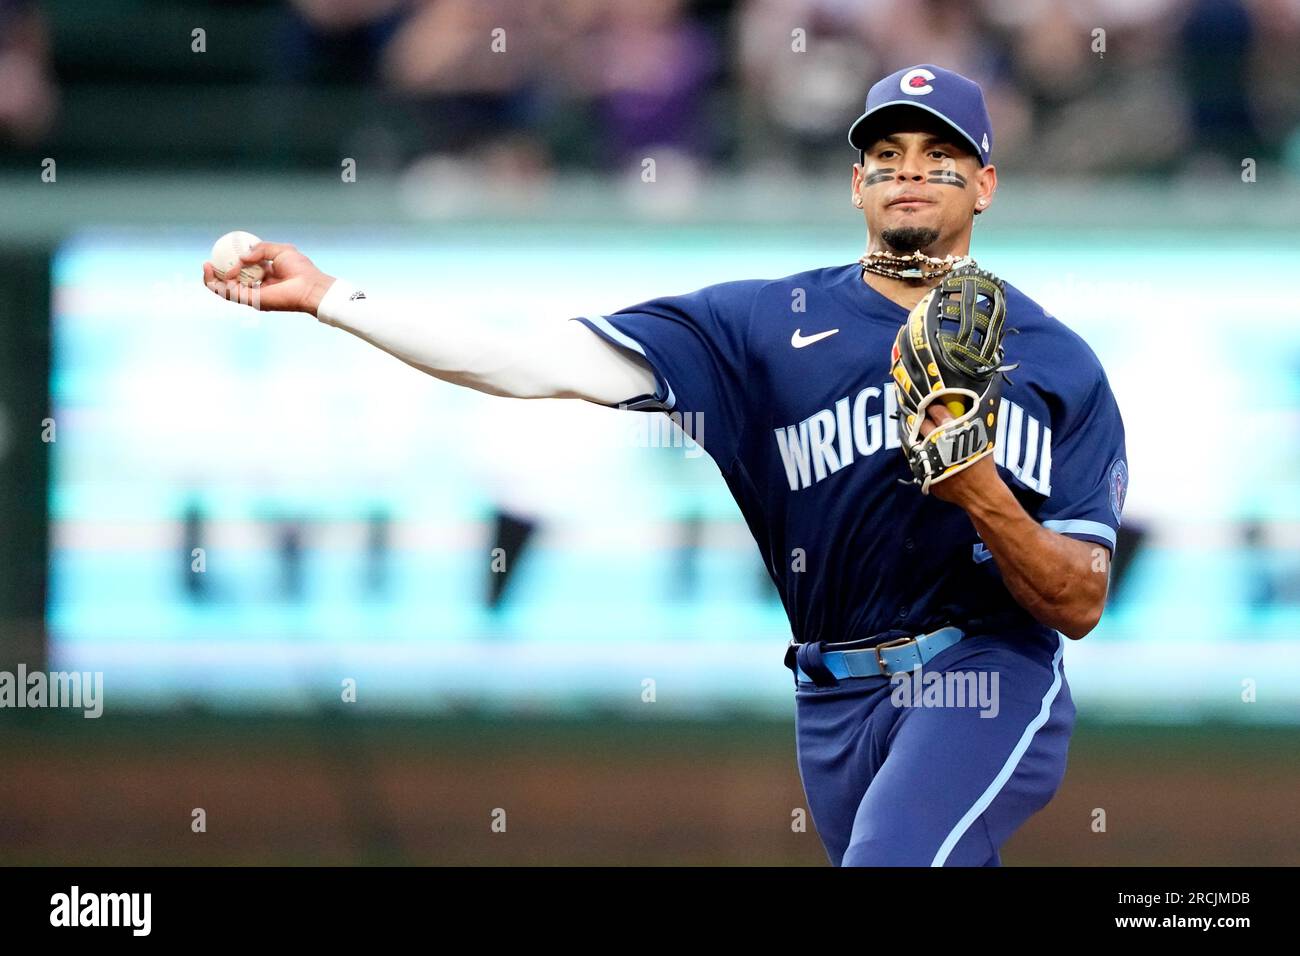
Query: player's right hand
column 292, row 282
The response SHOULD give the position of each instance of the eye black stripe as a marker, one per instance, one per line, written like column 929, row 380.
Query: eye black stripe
column 946, row 177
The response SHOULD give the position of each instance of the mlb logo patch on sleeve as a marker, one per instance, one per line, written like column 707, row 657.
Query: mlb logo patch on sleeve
column 1118, row 486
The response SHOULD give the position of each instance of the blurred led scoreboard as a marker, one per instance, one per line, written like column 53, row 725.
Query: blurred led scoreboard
column 249, row 509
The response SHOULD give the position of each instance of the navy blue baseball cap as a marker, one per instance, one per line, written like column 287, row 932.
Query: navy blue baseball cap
column 953, row 98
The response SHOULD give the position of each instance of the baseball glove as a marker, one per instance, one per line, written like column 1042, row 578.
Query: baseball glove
column 950, row 351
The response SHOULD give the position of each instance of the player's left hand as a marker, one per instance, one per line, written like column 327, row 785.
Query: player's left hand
column 962, row 487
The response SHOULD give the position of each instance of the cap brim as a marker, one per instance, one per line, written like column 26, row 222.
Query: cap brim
column 864, row 125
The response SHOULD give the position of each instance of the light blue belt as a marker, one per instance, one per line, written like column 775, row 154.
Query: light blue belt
column 903, row 654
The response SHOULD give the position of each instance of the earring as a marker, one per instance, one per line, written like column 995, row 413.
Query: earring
column 982, row 202
column 857, row 202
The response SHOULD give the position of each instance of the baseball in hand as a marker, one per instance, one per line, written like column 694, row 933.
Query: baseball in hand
column 225, row 257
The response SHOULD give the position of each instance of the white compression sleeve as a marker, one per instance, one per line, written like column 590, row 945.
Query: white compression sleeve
column 563, row 360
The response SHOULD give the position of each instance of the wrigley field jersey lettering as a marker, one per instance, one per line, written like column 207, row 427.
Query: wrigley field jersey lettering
column 799, row 423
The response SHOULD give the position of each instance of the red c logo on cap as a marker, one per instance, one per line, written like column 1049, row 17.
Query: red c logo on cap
column 916, row 82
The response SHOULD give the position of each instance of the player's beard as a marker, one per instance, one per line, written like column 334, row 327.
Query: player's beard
column 905, row 239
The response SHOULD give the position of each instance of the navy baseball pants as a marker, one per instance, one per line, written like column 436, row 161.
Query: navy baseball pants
column 894, row 779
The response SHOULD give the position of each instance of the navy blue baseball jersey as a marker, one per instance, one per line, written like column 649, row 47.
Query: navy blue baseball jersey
column 786, row 384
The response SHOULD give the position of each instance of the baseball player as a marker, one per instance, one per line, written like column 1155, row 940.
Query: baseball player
column 933, row 519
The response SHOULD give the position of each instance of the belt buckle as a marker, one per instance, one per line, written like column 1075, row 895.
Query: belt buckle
column 886, row 645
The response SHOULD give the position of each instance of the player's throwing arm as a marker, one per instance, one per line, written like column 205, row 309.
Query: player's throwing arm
column 562, row 360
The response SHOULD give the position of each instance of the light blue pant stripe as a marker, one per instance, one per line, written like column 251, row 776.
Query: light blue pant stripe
column 1008, row 768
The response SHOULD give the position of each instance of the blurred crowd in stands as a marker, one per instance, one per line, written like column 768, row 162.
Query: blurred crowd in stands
column 27, row 86
column 1169, row 85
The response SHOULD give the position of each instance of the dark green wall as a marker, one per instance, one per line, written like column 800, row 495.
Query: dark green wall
column 24, row 456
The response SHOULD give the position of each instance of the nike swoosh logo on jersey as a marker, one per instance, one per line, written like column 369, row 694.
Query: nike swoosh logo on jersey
column 800, row 341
